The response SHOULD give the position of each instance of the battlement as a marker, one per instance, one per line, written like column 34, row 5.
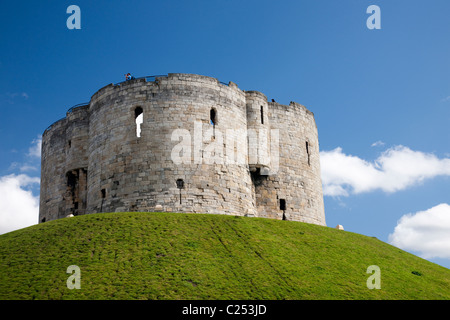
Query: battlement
column 171, row 143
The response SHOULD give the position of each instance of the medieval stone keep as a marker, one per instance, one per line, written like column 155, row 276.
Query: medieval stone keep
column 182, row 143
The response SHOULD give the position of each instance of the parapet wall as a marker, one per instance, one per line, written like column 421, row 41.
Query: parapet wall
column 203, row 147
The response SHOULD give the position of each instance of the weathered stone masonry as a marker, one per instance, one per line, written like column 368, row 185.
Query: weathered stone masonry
column 94, row 161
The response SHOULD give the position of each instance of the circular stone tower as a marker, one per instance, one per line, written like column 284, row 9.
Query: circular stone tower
column 182, row 143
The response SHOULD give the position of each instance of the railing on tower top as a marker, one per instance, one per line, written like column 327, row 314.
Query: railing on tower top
column 68, row 111
column 147, row 78
column 153, row 78
column 77, row 105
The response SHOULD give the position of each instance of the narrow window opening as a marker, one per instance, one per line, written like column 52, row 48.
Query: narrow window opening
column 69, row 143
column 283, row 204
column 212, row 116
column 262, row 115
column 180, row 185
column 103, row 194
column 213, row 120
column 139, row 118
column 307, row 151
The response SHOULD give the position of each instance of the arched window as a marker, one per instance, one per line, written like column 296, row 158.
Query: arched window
column 262, row 115
column 139, row 118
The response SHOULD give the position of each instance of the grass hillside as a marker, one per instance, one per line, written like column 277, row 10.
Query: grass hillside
column 205, row 256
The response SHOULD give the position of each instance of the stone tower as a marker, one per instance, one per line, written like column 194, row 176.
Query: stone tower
column 182, row 143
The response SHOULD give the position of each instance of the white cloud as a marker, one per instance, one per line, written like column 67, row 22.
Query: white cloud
column 445, row 99
column 11, row 98
column 377, row 144
column 19, row 208
column 35, row 149
column 32, row 160
column 426, row 232
column 396, row 169
column 27, row 167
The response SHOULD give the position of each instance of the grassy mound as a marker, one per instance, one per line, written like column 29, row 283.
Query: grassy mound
column 205, row 256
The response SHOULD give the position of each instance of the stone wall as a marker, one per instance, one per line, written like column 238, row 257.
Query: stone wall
column 213, row 138
column 293, row 189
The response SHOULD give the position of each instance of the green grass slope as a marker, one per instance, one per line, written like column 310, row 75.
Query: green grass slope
column 205, row 256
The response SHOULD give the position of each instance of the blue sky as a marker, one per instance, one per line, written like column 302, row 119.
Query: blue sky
column 381, row 98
